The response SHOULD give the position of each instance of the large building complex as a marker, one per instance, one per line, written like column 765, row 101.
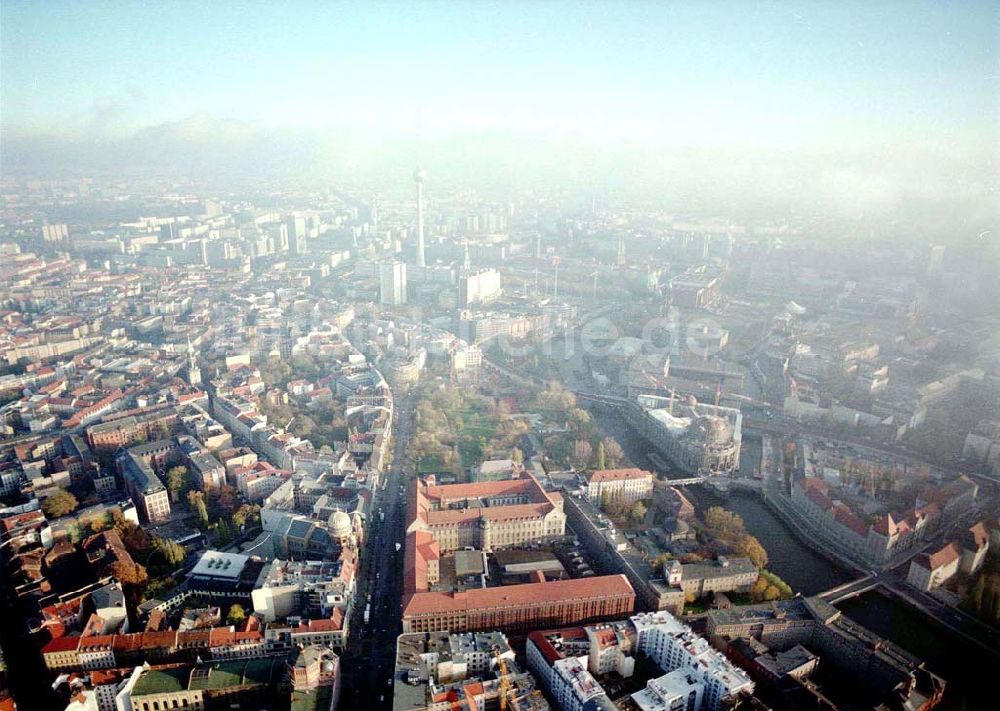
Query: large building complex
column 875, row 663
column 486, row 515
column 466, row 671
column 520, row 607
column 632, row 483
column 695, row 437
column 490, row 515
column 695, row 677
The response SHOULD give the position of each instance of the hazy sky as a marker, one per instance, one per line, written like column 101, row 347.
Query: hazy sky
column 761, row 73
column 908, row 78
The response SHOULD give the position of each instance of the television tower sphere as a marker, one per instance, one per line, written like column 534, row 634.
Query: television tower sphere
column 419, row 174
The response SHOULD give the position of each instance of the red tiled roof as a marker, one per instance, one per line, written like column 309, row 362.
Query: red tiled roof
column 847, row 518
column 221, row 636
column 420, row 549
column 978, row 535
column 166, row 639
column 423, row 603
column 619, row 474
column 885, row 525
column 94, row 626
column 61, row 644
column 543, row 641
column 194, row 638
column 97, row 641
column 332, row 624
column 126, row 642
column 492, row 513
column 507, row 487
column 948, row 553
column 62, row 610
column 818, row 497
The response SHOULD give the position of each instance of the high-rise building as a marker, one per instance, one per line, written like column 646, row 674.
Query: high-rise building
column 55, row 233
column 480, row 287
column 296, row 227
column 192, row 369
column 418, row 177
column 392, row 283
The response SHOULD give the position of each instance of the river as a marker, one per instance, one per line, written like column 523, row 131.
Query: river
column 965, row 668
column 788, row 557
column 961, row 664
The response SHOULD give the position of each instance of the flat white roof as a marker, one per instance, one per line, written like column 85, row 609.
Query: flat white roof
column 216, row 564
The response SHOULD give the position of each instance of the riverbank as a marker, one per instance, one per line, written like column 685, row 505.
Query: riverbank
column 964, row 667
column 805, row 570
column 791, row 559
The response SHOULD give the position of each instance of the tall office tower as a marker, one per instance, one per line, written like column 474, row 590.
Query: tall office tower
column 392, row 283
column 296, row 234
column 418, row 177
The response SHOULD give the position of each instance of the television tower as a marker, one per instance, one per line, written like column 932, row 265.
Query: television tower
column 418, row 177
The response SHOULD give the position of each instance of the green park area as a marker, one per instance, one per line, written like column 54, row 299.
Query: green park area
column 461, row 425
column 458, row 427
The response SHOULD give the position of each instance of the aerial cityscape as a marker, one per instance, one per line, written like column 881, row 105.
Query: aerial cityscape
column 499, row 357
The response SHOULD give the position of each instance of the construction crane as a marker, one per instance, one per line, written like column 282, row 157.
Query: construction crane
column 504, row 678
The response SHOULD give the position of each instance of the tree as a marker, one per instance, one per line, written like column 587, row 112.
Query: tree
column 237, row 615
column 222, row 502
column 727, row 529
column 579, row 417
column 173, row 553
column 613, row 451
column 98, row 525
column 222, row 533
column 752, row 549
column 660, row 562
column 129, row 573
column 517, row 456
column 59, row 503
column 769, row 586
column 196, row 502
column 247, row 513
column 304, row 426
column 637, row 516
column 177, row 482
column 135, row 539
column 582, row 452
column 602, row 457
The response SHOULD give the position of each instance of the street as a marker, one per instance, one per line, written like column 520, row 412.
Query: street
column 369, row 660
